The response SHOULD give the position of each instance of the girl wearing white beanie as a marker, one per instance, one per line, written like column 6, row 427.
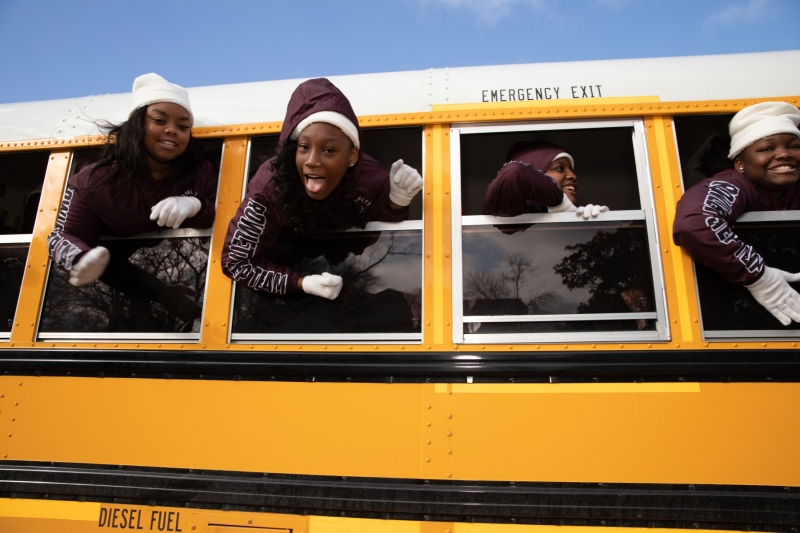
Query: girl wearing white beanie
column 150, row 174
column 765, row 150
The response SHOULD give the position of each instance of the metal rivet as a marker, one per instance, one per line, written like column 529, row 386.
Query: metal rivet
column 449, row 415
column 429, row 406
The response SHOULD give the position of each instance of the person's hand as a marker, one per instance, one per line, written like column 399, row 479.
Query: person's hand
column 773, row 292
column 172, row 211
column 90, row 267
column 325, row 285
column 404, row 183
column 591, row 211
column 564, row 207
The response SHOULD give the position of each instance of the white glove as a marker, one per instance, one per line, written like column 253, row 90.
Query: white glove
column 90, row 267
column 564, row 207
column 404, row 183
column 172, row 211
column 325, row 285
column 591, row 211
column 776, row 296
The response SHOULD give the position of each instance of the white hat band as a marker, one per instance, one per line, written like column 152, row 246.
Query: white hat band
column 153, row 89
column 329, row 117
column 565, row 154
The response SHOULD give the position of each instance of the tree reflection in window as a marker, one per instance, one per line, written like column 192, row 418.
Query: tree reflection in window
column 150, row 286
column 381, row 293
column 610, row 265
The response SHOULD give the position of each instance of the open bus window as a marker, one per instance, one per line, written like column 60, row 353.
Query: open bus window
column 381, row 267
column 21, row 179
column 153, row 287
column 729, row 311
column 551, row 277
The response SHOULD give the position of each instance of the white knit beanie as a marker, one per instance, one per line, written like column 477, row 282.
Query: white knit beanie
column 152, row 89
column 330, row 117
column 761, row 120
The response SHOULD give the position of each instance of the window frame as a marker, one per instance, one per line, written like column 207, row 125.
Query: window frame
column 339, row 338
column 661, row 333
column 167, row 338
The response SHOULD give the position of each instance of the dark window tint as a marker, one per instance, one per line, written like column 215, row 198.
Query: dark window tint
column 604, row 163
column 12, row 266
column 21, row 179
column 731, row 308
column 149, row 286
column 387, row 145
column 381, row 294
column 703, row 144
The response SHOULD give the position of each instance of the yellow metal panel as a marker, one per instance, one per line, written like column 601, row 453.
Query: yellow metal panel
column 437, row 241
column 304, row 428
column 680, row 288
column 220, row 287
column 32, row 291
column 58, row 510
column 726, row 434
column 327, row 524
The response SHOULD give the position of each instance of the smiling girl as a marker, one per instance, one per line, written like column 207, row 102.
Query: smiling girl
column 318, row 183
column 765, row 150
column 538, row 177
column 151, row 173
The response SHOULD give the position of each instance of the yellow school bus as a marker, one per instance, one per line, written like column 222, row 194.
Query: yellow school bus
column 479, row 374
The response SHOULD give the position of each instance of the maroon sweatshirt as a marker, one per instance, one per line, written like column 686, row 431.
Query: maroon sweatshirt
column 521, row 186
column 86, row 215
column 260, row 222
column 704, row 218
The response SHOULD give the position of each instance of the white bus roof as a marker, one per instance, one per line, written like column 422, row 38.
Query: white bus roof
column 673, row 79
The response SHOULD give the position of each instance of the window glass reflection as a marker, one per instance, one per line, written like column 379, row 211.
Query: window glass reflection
column 546, row 269
column 12, row 267
column 382, row 290
column 150, row 285
column 726, row 307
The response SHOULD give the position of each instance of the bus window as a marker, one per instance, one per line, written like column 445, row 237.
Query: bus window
column 552, row 277
column 21, row 179
column 153, row 287
column 381, row 267
column 729, row 311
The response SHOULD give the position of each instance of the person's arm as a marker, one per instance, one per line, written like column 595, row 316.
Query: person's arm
column 77, row 230
column 703, row 227
column 517, row 184
column 251, row 233
column 205, row 190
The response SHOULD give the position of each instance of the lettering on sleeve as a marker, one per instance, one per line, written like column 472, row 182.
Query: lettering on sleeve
column 243, row 247
column 62, row 251
column 719, row 203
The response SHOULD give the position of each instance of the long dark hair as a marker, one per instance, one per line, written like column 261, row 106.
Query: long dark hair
column 309, row 216
column 124, row 167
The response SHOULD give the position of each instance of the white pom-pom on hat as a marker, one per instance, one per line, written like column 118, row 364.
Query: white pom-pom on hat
column 761, row 120
column 329, row 117
column 152, row 89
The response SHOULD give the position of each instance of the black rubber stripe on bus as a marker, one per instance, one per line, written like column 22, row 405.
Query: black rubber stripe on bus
column 731, row 507
column 413, row 367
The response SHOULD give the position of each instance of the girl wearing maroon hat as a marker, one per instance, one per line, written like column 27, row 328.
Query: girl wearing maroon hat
column 318, row 183
column 538, row 177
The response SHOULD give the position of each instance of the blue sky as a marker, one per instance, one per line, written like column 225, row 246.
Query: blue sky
column 64, row 49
